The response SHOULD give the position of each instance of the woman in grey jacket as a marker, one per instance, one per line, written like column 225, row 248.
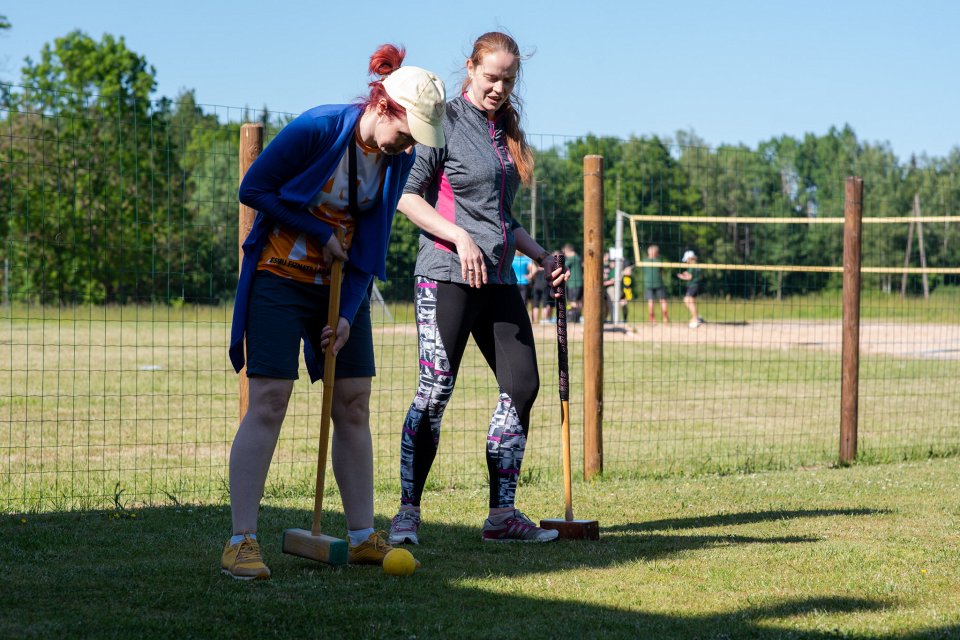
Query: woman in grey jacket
column 461, row 198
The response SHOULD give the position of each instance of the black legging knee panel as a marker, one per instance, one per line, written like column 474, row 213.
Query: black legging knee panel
column 447, row 315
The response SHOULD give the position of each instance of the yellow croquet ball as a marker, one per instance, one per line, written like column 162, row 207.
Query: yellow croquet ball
column 399, row 562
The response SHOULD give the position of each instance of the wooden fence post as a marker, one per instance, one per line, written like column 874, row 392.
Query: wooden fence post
column 850, row 364
column 251, row 144
column 592, row 316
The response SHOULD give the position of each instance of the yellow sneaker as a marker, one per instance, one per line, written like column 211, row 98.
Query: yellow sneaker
column 372, row 550
column 242, row 560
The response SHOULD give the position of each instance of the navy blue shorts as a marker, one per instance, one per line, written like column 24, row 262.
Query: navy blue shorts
column 693, row 290
column 658, row 293
column 282, row 311
column 539, row 296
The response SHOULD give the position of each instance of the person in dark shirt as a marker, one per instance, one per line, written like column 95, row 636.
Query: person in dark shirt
column 574, row 283
column 692, row 278
column 653, row 287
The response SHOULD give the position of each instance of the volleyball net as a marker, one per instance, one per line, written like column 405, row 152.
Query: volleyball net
column 754, row 379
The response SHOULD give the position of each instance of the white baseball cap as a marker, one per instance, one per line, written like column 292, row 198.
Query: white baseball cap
column 687, row 255
column 423, row 96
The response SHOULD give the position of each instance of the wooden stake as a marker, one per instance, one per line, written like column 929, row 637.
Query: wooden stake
column 850, row 364
column 592, row 316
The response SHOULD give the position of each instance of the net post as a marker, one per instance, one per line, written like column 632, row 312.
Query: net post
column 618, row 268
column 923, row 255
column 251, row 144
column 592, row 316
column 850, row 363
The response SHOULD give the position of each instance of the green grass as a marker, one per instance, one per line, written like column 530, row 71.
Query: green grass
column 142, row 398
column 118, row 408
column 876, row 305
column 862, row 552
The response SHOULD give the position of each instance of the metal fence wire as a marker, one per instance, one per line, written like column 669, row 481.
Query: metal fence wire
column 119, row 226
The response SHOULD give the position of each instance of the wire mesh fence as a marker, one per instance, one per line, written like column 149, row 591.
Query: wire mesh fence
column 758, row 384
column 120, row 235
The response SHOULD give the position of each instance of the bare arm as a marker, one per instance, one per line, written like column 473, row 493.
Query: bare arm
column 473, row 270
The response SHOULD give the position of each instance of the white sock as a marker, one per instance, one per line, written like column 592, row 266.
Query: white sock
column 359, row 536
column 239, row 538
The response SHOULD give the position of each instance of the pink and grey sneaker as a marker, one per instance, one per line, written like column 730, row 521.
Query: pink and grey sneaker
column 516, row 527
column 404, row 527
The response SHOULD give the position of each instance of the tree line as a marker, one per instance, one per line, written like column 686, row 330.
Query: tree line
column 109, row 195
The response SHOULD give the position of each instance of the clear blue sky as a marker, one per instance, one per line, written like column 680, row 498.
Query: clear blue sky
column 738, row 71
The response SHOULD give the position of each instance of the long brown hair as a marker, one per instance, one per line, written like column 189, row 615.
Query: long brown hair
column 384, row 61
column 492, row 42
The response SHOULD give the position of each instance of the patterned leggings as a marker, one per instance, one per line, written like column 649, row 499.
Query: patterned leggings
column 447, row 315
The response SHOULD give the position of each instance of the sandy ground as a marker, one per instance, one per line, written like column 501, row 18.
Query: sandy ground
column 934, row 341
column 910, row 340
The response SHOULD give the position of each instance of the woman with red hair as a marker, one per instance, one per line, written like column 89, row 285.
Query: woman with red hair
column 461, row 197
column 334, row 167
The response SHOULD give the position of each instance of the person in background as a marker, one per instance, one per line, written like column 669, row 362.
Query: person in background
column 521, row 267
column 538, row 293
column 653, row 287
column 609, row 288
column 626, row 292
column 692, row 278
column 574, row 283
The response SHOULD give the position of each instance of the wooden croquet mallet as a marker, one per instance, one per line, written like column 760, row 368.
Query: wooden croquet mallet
column 569, row 528
column 313, row 544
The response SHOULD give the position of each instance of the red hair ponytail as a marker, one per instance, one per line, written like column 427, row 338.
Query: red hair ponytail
column 384, row 61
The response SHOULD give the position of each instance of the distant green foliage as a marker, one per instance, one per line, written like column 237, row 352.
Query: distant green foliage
column 782, row 177
column 108, row 195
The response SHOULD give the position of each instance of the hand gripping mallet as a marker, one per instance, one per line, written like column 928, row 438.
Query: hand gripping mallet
column 312, row 544
column 568, row 527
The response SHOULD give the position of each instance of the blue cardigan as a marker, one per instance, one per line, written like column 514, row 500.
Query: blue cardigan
column 284, row 180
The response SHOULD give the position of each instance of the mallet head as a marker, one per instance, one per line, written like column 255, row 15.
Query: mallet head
column 573, row 529
column 321, row 548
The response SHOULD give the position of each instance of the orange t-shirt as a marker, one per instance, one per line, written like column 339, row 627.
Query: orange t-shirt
column 291, row 254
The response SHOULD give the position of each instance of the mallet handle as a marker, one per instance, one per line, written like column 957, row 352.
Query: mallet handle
column 559, row 262
column 329, row 369
column 567, row 482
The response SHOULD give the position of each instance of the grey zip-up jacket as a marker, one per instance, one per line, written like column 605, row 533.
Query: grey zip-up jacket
column 471, row 182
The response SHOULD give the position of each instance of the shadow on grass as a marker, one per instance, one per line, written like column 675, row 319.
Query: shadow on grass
column 745, row 517
column 157, row 575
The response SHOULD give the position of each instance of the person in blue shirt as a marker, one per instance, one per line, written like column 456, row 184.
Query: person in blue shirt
column 521, row 267
column 334, row 167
